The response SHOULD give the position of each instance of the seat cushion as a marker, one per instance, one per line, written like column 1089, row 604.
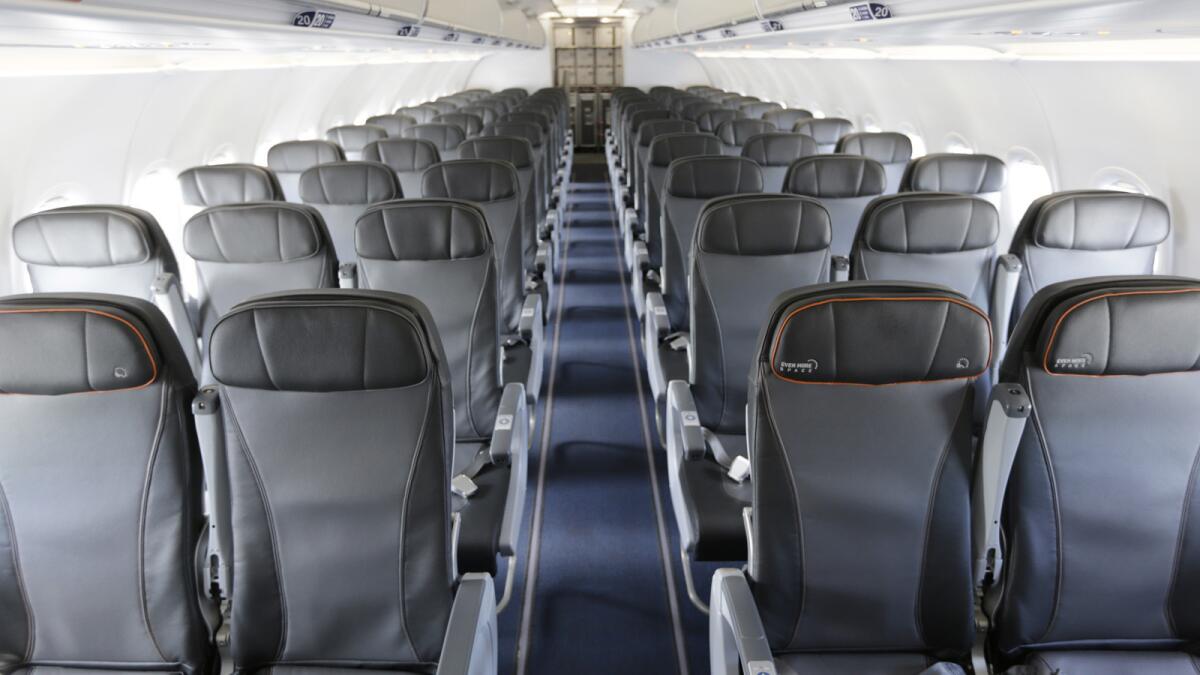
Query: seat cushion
column 862, row 664
column 1111, row 663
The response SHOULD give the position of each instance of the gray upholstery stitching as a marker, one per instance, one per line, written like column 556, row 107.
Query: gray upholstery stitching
column 151, row 460
column 433, row 391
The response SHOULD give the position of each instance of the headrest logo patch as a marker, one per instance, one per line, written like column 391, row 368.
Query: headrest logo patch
column 120, row 373
column 807, row 367
column 1074, row 362
column 963, row 363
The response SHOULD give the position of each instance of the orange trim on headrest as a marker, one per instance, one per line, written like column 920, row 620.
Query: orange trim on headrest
column 140, row 337
column 1058, row 324
column 793, row 313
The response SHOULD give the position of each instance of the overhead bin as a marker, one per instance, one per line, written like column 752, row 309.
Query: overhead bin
column 659, row 23
column 521, row 28
column 410, row 10
column 699, row 15
column 479, row 16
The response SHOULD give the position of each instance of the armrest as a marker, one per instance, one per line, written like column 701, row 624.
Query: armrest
column 685, row 436
column 655, row 328
column 210, row 431
column 542, row 259
column 470, row 645
column 510, row 432
column 737, row 641
column 840, row 268
column 348, row 275
column 1008, row 410
column 629, row 220
column 168, row 297
column 1004, row 294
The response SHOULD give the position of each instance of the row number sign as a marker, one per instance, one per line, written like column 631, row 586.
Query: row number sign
column 870, row 11
column 313, row 19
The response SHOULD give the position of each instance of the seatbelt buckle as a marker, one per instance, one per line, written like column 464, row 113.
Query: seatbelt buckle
column 739, row 469
column 463, row 486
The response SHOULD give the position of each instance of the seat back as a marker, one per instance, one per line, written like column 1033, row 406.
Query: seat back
column 636, row 122
column 393, row 124
column 217, row 184
column 758, row 109
column 291, row 158
column 101, row 506
column 1087, row 233
column 423, row 114
column 690, row 182
column 244, row 250
column 735, row 133
column 442, row 106
column 93, row 248
column 338, row 412
column 470, row 124
column 827, row 131
column 440, row 252
column 519, row 153
column 695, row 109
column 891, row 149
column 785, row 119
column 1101, row 519
column 746, row 251
column 664, row 149
column 775, row 152
column 495, row 188
column 980, row 175
column 341, row 191
column 354, row 137
column 640, row 155
column 862, row 538
column 487, row 115
column 711, row 119
column 408, row 157
column 845, row 184
column 446, row 137
column 532, row 133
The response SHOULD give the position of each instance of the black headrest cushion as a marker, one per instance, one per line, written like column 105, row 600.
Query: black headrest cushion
column 767, row 224
column 667, row 148
column 655, row 128
column 218, row 184
column 403, row 154
column 264, row 232
column 706, row 177
column 836, row 177
column 778, row 148
column 1096, row 221
column 967, row 174
column 86, row 236
column 349, row 183
column 476, row 180
column 422, row 229
column 512, row 149
column 929, row 222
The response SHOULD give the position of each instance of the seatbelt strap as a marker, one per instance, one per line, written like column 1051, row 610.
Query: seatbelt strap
column 463, row 484
column 737, row 467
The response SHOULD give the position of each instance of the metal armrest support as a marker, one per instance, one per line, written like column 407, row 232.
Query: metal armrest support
column 470, row 645
column 1004, row 294
column 685, row 436
column 168, row 297
column 542, row 259
column 655, row 328
column 641, row 267
column 840, row 269
column 348, row 275
column 1008, row 411
column 629, row 220
column 210, row 431
column 510, row 445
column 532, row 331
column 737, row 641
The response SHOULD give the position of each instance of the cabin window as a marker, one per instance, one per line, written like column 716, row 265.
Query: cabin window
column 919, row 148
column 957, row 144
column 1028, row 179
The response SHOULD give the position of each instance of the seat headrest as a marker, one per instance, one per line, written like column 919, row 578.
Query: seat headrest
column 537, row 118
column 667, row 148
column 692, row 111
column 762, row 225
column 470, row 124
column 1109, row 326
column 324, row 341
column 444, row 136
column 420, row 113
column 778, row 148
column 711, row 120
column 885, row 147
column 836, row 177
column 86, row 236
column 403, row 154
column 218, row 184
column 965, row 174
column 929, row 222
column 475, row 180
column 637, row 119
column 512, row 149
column 394, row 124
column 349, row 183
column 265, row 232
column 876, row 333
column 786, row 118
column 1095, row 220
column 527, row 130
column 705, row 177
column 756, row 110
column 655, row 128
column 296, row 156
column 826, row 130
column 354, row 137
column 736, row 132
column 422, row 229
column 79, row 344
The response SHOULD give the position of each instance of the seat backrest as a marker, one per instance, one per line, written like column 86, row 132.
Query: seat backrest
column 408, row 157
column 636, row 121
column 291, row 158
column 446, row 137
column 845, row 184
column 338, row 479
column 646, row 134
column 518, row 152
column 891, row 149
column 1101, row 519
column 423, row 114
column 860, row 413
column 443, row 106
column 690, row 182
column 1087, row 233
column 354, row 137
column 487, row 115
column 495, row 188
column 692, row 111
column 785, row 119
column 681, row 102
column 532, row 133
column 244, row 250
column 981, row 175
column 735, row 133
column 93, row 248
column 664, row 149
column 827, row 131
column 216, row 184
column 710, row 120
column 394, row 124
column 440, row 252
column 758, row 109
column 746, row 251
column 341, row 191
column 775, row 152
column 470, row 124
column 101, row 506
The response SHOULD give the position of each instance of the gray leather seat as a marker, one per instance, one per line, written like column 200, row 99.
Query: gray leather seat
column 408, row 157
column 98, row 463
column 735, row 133
column 640, row 156
column 827, row 131
column 759, row 109
column 786, row 118
column 859, row 413
column 354, row 137
column 636, row 121
column 695, row 109
column 394, row 124
column 549, row 148
column 470, row 124
column 1070, row 235
column 217, row 184
column 775, row 152
column 980, row 175
column 423, row 114
column 891, row 149
column 341, row 191
column 445, row 136
column 845, row 184
column 1101, row 567
column 343, row 560
column 442, row 106
column 532, row 133
column 711, row 120
column 486, row 114
column 291, row 158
